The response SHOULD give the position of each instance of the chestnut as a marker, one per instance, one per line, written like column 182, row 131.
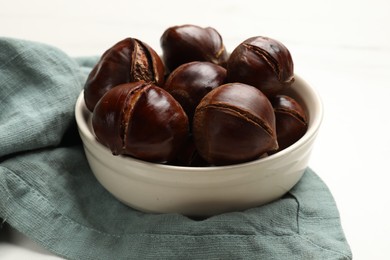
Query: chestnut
column 128, row 60
column 188, row 156
column 291, row 120
column 190, row 82
column 234, row 123
column 142, row 120
column 186, row 43
column 261, row 62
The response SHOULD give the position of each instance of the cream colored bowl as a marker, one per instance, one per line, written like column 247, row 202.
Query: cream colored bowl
column 202, row 191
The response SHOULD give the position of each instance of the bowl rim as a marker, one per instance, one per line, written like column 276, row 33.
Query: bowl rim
column 314, row 125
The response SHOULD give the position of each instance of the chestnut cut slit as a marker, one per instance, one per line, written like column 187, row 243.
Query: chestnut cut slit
column 271, row 61
column 220, row 52
column 295, row 114
column 131, row 98
column 142, row 59
column 241, row 114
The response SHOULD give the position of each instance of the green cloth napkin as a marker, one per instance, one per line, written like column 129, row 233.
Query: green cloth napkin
column 48, row 192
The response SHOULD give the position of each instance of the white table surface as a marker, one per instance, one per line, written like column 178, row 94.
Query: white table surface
column 342, row 48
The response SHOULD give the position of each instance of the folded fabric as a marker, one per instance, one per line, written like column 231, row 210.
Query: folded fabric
column 47, row 190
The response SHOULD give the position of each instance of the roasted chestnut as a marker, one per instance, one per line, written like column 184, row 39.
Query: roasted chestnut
column 291, row 120
column 189, row 156
column 142, row 120
column 234, row 123
column 190, row 82
column 127, row 61
column 186, row 43
column 261, row 62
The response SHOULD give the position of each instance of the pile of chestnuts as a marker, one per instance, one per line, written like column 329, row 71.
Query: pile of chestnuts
column 196, row 105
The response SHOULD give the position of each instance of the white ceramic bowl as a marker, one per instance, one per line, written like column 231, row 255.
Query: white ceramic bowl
column 202, row 191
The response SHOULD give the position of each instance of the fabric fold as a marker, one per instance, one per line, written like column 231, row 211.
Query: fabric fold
column 39, row 86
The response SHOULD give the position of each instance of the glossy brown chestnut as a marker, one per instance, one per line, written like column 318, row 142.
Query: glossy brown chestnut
column 291, row 120
column 141, row 120
column 234, row 123
column 129, row 60
column 261, row 62
column 190, row 82
column 186, row 43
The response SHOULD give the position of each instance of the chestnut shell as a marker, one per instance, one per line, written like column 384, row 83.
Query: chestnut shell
column 128, row 60
column 291, row 120
column 234, row 123
column 262, row 62
column 141, row 120
column 188, row 156
column 190, row 82
column 186, row 43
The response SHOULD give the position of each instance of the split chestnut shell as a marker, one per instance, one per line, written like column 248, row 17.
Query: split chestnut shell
column 291, row 120
column 141, row 120
column 128, row 60
column 234, row 123
column 262, row 62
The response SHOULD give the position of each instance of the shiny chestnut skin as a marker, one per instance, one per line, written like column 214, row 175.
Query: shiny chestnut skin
column 186, row 43
column 128, row 60
column 291, row 120
column 190, row 82
column 262, row 62
column 234, row 123
column 141, row 120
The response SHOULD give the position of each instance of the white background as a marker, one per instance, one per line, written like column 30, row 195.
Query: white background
column 342, row 48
